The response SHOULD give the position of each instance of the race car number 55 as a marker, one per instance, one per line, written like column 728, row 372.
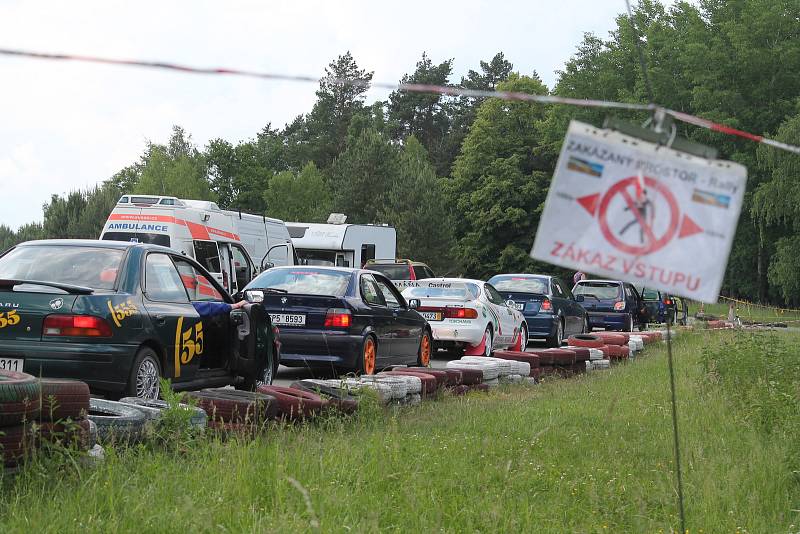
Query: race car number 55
column 9, row 318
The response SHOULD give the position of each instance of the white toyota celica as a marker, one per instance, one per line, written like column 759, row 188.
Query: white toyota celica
column 467, row 315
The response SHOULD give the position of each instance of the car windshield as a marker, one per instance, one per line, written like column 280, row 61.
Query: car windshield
column 601, row 290
column 92, row 267
column 520, row 284
column 467, row 291
column 393, row 271
column 305, row 281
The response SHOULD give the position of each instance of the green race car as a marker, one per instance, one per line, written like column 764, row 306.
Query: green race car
column 120, row 316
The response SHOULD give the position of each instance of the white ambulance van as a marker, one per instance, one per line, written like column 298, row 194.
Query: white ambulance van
column 232, row 246
column 342, row 245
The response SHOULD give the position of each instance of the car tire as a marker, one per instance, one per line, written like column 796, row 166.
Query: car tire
column 523, row 338
column 628, row 324
column 233, row 406
column 263, row 377
column 586, row 329
column 338, row 398
column 116, row 421
column 555, row 340
column 488, row 340
column 425, row 349
column 20, row 398
column 368, row 357
column 145, row 378
column 197, row 420
column 63, row 398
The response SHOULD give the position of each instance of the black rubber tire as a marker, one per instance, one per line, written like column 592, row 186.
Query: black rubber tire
column 261, row 378
column 555, row 340
column 145, row 354
column 20, row 398
column 628, row 327
column 234, row 406
column 62, row 399
column 116, row 421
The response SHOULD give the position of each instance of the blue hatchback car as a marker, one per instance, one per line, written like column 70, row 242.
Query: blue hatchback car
column 611, row 304
column 550, row 309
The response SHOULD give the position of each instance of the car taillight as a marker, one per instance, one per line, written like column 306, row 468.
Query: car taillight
column 338, row 318
column 546, row 305
column 460, row 313
column 619, row 306
column 75, row 326
column 668, row 302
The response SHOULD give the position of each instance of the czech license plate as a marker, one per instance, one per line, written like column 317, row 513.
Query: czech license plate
column 432, row 316
column 288, row 319
column 11, row 364
column 519, row 306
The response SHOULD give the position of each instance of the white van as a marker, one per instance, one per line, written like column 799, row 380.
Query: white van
column 232, row 246
column 343, row 245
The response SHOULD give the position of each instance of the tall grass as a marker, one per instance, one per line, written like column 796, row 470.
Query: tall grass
column 591, row 454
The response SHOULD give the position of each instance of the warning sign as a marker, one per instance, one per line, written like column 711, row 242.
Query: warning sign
column 626, row 209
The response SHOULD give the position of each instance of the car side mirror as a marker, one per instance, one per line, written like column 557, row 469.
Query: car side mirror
column 254, row 295
column 579, row 298
column 237, row 317
column 413, row 304
column 267, row 265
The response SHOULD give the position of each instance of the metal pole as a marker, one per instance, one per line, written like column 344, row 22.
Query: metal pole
column 675, row 426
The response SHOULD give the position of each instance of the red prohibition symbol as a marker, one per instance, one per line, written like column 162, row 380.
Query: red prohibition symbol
column 652, row 242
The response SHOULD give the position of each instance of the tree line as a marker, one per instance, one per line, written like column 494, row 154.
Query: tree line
column 463, row 179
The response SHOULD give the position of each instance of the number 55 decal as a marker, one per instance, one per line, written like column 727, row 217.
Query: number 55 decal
column 188, row 344
column 9, row 318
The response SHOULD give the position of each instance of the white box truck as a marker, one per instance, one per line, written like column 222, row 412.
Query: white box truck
column 231, row 245
column 342, row 245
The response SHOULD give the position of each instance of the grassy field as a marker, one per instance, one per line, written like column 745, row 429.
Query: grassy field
column 592, row 454
column 750, row 313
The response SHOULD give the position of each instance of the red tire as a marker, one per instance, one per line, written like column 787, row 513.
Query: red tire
column 470, row 377
column 453, row 377
column 589, row 341
column 429, row 385
column 62, row 399
column 16, row 444
column 581, row 353
column 294, row 403
column 559, row 356
column 612, row 338
column 615, row 352
column 231, row 406
column 439, row 374
column 536, row 373
column 337, row 399
column 528, row 357
column 20, row 398
column 460, row 389
column 626, row 351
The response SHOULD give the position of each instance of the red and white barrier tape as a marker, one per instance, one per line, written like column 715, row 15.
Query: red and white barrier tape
column 415, row 88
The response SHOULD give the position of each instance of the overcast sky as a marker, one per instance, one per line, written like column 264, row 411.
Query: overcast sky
column 66, row 125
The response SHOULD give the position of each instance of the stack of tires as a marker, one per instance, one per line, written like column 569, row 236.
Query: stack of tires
column 534, row 370
column 560, row 362
column 36, row 413
column 235, row 411
column 595, row 342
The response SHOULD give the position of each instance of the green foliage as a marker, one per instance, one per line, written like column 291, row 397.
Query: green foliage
column 499, row 183
column 362, row 175
column 80, row 214
column 413, row 206
column 299, row 197
column 176, row 169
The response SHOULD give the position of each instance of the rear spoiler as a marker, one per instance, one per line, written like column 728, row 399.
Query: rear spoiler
column 69, row 288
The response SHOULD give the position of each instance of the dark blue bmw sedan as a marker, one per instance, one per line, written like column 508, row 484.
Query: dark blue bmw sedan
column 341, row 318
column 549, row 307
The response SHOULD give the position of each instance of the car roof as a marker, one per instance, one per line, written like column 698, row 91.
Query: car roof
column 598, row 280
column 321, row 268
column 528, row 275
column 96, row 243
column 479, row 282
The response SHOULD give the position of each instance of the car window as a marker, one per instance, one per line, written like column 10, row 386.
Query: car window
column 162, row 282
column 392, row 271
column 92, row 267
column 522, row 284
column 601, row 290
column 426, row 272
column 649, row 294
column 492, row 294
column 393, row 299
column 304, row 280
column 207, row 254
column 565, row 288
column 197, row 285
column 458, row 291
column 370, row 292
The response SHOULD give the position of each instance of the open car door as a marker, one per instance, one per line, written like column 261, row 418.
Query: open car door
column 253, row 356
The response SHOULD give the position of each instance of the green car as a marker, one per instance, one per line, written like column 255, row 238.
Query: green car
column 120, row 316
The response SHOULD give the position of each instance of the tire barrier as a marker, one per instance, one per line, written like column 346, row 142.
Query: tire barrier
column 428, row 385
column 470, row 374
column 232, row 406
column 612, row 338
column 413, row 383
column 62, row 399
column 595, row 354
column 557, row 357
column 590, row 341
column 581, row 353
column 490, row 369
column 20, row 398
column 337, row 398
column 396, row 386
column 116, row 421
column 293, row 404
column 439, row 374
column 153, row 408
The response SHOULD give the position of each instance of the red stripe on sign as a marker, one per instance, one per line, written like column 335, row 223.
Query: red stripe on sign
column 733, row 131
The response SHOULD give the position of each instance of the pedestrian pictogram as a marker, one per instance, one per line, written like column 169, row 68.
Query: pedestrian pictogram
column 653, row 215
